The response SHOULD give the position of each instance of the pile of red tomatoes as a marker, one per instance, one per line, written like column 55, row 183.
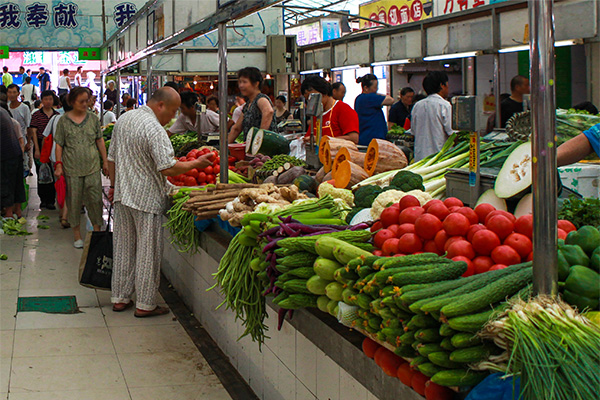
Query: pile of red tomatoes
column 484, row 237
column 200, row 177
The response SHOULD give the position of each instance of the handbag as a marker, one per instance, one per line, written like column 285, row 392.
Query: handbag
column 95, row 267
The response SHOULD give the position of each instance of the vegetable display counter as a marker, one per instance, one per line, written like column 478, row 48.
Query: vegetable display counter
column 311, row 357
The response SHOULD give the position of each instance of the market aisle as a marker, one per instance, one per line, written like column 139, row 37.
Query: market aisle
column 96, row 354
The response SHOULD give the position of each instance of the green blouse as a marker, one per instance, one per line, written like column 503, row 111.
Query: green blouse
column 80, row 156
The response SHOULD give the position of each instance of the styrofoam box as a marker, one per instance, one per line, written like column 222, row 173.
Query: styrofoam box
column 583, row 178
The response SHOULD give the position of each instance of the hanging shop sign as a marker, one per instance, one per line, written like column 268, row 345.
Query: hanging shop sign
column 89, row 53
column 444, row 7
column 315, row 32
column 51, row 24
column 395, row 12
column 4, row 52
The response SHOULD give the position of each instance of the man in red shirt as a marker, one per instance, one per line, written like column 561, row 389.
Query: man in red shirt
column 339, row 119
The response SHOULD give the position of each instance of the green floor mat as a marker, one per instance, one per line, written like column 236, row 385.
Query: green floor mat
column 48, row 304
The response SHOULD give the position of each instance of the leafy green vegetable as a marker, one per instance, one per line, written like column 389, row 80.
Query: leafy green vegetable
column 365, row 195
column 3, row 257
column 580, row 211
column 13, row 227
column 407, row 181
column 42, row 217
column 396, row 130
column 279, row 161
column 43, row 227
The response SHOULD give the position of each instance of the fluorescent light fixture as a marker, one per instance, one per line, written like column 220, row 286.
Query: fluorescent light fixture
column 452, row 56
column 312, row 71
column 393, row 62
column 560, row 43
column 346, row 67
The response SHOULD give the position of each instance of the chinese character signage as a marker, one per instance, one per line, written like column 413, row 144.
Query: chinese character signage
column 443, row 7
column 4, row 52
column 89, row 53
column 395, row 12
column 331, row 29
column 307, row 33
column 52, row 24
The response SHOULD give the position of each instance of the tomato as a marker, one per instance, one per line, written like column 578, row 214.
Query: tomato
column 524, row 225
column 427, row 226
column 497, row 266
column 483, row 210
column 439, row 210
column 182, row 159
column 409, row 243
column 405, row 228
column 210, row 177
column 461, row 248
column 232, row 160
column 378, row 253
column 440, row 239
column 193, row 153
column 390, row 246
column 453, row 202
column 473, row 229
column 500, row 212
column 376, row 226
column 566, row 226
column 456, row 224
column 381, row 354
column 451, row 240
column 562, row 234
column 390, row 216
column 194, row 173
column 431, row 247
column 395, row 205
column 431, row 202
column 399, row 255
column 389, row 363
column 436, row 392
column 470, row 214
column 418, row 383
column 231, row 168
column 482, row 264
column 170, row 179
column 484, row 241
column 470, row 266
column 520, row 243
column 405, row 373
column 369, row 347
column 201, row 177
column 189, row 181
column 410, row 215
column 178, row 183
column 500, row 225
column 394, row 228
column 208, row 170
column 505, row 255
column 217, row 160
column 381, row 237
column 409, row 201
column 529, row 257
column 217, row 169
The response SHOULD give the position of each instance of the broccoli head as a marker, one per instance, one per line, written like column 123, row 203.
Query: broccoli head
column 365, row 195
column 407, row 181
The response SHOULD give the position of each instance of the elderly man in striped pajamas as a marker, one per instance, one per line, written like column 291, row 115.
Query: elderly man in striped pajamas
column 140, row 158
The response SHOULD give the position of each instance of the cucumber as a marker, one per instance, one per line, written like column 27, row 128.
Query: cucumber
column 348, row 274
column 307, row 243
column 442, row 273
column 416, row 286
column 371, row 288
column 429, row 369
column 334, row 291
column 458, row 377
column 421, row 321
column 345, row 252
column 436, row 290
column 426, row 349
column 393, row 332
column 405, row 351
column 296, row 286
column 446, row 344
column 463, row 340
column 471, row 354
column 428, row 335
column 442, row 359
column 324, row 247
column 357, row 323
column 349, row 296
column 485, row 279
column 281, row 296
column 418, row 361
column 388, row 290
column 386, row 313
column 446, row 330
column 282, row 268
column 388, row 301
column 491, row 294
column 385, row 276
column 325, row 268
column 322, row 302
column 375, row 306
column 296, row 260
column 364, row 271
column 413, row 259
column 363, row 301
column 408, row 338
column 302, row 272
column 374, row 322
column 392, row 323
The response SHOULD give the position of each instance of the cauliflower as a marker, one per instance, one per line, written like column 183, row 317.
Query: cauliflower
column 344, row 194
column 422, row 196
column 384, row 200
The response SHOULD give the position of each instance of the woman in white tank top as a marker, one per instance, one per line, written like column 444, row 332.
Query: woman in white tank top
column 64, row 83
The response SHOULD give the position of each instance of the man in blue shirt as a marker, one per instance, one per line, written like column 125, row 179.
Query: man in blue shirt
column 368, row 106
column 579, row 147
column 44, row 79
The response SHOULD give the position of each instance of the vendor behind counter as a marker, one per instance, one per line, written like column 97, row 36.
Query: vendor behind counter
column 339, row 119
column 368, row 106
column 187, row 120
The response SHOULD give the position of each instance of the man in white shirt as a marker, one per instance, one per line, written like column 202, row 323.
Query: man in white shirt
column 109, row 116
column 22, row 114
column 187, row 120
column 431, row 122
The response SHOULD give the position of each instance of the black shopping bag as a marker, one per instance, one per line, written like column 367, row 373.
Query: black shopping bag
column 95, row 268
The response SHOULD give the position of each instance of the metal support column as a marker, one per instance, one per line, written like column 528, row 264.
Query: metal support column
column 118, row 87
column 497, row 88
column 543, row 112
column 149, row 78
column 101, row 97
column 223, row 142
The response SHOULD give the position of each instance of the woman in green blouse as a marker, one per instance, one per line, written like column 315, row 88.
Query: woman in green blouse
column 80, row 155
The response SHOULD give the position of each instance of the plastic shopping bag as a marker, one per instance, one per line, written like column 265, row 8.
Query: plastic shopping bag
column 61, row 191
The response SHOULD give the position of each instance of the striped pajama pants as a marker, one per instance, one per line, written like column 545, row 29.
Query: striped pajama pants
column 137, row 255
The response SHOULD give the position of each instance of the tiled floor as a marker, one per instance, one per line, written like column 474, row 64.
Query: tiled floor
column 93, row 355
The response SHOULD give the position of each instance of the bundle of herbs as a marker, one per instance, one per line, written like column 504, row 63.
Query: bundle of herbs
column 580, row 212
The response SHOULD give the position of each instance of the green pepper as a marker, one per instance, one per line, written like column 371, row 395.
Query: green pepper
column 582, row 302
column 587, row 237
column 595, row 260
column 583, row 282
column 575, row 255
column 563, row 266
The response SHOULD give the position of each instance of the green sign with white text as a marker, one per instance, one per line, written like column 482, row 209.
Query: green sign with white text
column 89, row 53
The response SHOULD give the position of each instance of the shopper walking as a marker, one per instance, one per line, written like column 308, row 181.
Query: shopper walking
column 400, row 111
column 78, row 81
column 258, row 111
column 80, row 154
column 431, row 122
column 27, row 92
column 22, row 114
column 44, row 80
column 39, row 120
column 23, row 74
column 108, row 116
column 519, row 86
column 140, row 157
column 12, row 187
column 368, row 106
column 7, row 78
column 111, row 92
column 64, row 83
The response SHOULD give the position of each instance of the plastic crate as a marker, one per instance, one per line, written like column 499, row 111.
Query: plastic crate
column 582, row 178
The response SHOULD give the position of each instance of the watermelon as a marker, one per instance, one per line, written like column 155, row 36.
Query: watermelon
column 515, row 175
column 249, row 137
column 269, row 143
column 489, row 197
column 306, row 183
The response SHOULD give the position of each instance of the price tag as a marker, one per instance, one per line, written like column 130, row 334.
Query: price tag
column 473, row 159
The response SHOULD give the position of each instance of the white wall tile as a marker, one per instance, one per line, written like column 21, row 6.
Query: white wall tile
column 286, row 382
column 350, row 388
column 302, row 392
column 306, row 362
column 271, row 323
column 286, row 346
column 270, row 371
column 328, row 378
column 255, row 362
